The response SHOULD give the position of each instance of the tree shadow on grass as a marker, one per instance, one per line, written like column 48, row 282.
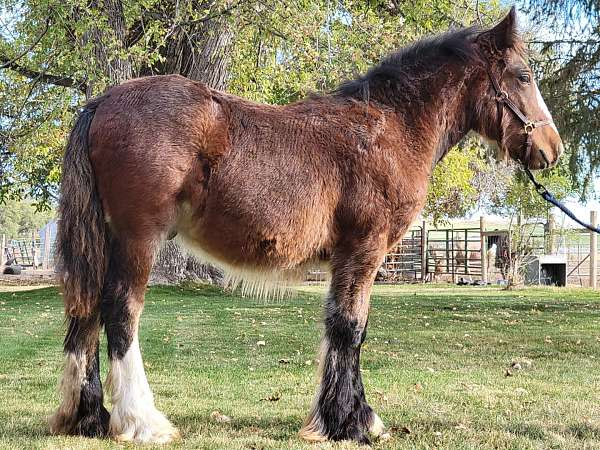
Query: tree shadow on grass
column 527, row 430
column 583, row 431
column 274, row 427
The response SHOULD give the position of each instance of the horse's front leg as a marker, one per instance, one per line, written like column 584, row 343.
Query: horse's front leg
column 340, row 410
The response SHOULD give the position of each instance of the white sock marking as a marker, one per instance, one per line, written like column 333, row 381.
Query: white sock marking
column 134, row 416
column 70, row 390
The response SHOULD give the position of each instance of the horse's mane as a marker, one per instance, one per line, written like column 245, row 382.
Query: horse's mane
column 427, row 54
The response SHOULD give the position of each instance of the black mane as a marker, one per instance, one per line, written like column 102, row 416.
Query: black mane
column 429, row 53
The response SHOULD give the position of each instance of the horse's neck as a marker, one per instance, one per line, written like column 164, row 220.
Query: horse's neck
column 444, row 118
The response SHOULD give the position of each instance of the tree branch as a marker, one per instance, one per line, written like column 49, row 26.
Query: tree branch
column 28, row 49
column 565, row 41
column 56, row 80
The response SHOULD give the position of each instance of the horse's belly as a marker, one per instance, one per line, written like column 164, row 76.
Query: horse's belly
column 254, row 247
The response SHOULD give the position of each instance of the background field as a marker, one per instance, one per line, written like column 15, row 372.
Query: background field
column 434, row 364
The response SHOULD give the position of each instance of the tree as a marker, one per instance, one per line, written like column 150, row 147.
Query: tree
column 569, row 62
column 54, row 54
column 452, row 192
column 18, row 219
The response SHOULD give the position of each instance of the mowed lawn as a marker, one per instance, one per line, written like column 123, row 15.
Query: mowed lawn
column 434, row 365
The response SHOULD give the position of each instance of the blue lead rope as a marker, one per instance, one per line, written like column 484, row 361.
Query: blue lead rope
column 541, row 189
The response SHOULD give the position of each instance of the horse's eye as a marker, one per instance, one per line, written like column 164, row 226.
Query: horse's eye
column 524, row 78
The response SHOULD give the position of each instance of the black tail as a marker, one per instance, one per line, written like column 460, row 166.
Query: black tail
column 82, row 234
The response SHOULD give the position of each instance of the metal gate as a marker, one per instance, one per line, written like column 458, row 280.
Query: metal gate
column 455, row 252
column 404, row 262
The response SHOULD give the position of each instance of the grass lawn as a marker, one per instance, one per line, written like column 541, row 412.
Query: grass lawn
column 434, row 366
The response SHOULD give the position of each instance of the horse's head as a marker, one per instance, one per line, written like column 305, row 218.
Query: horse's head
column 510, row 109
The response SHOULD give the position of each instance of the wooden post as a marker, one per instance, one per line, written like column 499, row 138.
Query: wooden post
column 3, row 251
column 484, row 261
column 593, row 251
column 448, row 252
column 466, row 252
column 423, row 252
column 46, row 263
column 551, row 231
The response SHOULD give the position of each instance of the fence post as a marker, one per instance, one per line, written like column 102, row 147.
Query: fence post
column 46, row 263
column 454, row 276
column 593, row 251
column 3, row 251
column 551, row 231
column 484, row 261
column 423, row 251
column 34, row 251
column 448, row 267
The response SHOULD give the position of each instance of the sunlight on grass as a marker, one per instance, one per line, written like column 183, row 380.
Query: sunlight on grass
column 443, row 366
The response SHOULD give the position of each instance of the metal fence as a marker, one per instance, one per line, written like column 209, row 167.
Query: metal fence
column 28, row 253
column 454, row 251
column 404, row 262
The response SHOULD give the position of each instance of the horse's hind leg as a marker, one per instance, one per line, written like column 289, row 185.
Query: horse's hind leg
column 340, row 410
column 82, row 411
column 134, row 416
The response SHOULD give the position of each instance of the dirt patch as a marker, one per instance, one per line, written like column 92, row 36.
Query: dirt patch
column 28, row 279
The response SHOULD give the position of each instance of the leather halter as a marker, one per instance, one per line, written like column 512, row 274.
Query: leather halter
column 503, row 100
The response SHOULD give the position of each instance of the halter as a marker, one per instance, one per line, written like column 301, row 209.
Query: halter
column 528, row 126
column 503, row 100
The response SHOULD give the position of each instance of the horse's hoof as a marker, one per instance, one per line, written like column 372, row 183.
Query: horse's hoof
column 93, row 425
column 312, row 431
column 60, row 423
column 151, row 426
column 377, row 428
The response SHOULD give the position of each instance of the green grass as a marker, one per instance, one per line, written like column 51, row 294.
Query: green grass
column 434, row 364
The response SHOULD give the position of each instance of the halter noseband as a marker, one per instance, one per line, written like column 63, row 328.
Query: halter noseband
column 502, row 100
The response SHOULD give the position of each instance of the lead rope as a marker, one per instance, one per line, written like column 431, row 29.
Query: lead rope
column 546, row 195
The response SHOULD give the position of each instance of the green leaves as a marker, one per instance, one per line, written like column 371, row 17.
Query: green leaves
column 451, row 191
column 569, row 65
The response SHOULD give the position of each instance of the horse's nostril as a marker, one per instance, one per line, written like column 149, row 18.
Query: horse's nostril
column 545, row 158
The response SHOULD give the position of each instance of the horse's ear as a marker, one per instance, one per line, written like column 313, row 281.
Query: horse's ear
column 504, row 35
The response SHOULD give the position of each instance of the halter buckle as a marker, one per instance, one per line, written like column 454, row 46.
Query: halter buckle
column 501, row 96
column 529, row 127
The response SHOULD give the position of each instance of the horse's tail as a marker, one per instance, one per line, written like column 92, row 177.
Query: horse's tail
column 82, row 239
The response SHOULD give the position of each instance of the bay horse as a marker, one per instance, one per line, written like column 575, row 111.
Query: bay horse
column 263, row 190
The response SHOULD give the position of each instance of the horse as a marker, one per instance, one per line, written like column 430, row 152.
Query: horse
column 261, row 191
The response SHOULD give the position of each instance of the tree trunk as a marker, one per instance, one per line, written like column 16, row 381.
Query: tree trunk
column 201, row 54
column 109, row 43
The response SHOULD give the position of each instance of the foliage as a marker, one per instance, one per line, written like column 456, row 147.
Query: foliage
column 468, row 178
column 452, row 192
column 297, row 50
column 518, row 197
column 20, row 218
column 569, row 62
